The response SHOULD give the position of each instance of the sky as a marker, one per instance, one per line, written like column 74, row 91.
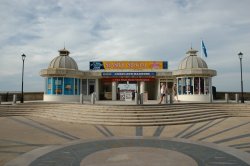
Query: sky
column 94, row 30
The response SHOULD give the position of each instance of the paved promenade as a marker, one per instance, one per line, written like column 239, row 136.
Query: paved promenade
column 51, row 142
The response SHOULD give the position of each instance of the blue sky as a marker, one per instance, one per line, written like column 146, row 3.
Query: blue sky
column 123, row 30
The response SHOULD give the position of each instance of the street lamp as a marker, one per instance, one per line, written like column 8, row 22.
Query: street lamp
column 241, row 56
column 23, row 58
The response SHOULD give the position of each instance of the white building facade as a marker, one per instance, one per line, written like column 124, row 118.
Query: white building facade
column 65, row 83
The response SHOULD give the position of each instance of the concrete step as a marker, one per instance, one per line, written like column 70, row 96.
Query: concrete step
column 128, row 115
column 133, row 107
column 138, row 123
column 104, row 110
column 131, row 116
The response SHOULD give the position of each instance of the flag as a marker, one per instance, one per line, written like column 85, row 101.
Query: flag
column 203, row 48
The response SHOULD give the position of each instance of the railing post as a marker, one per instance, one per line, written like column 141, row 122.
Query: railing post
column 237, row 98
column 141, row 98
column 14, row 99
column 137, row 98
column 81, row 98
column 93, row 98
column 171, row 98
column 211, row 98
column 226, row 98
column 166, row 98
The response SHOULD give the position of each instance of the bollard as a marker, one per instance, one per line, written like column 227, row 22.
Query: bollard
column 141, row 98
column 226, row 98
column 237, row 98
column 170, row 99
column 137, row 98
column 166, row 99
column 93, row 98
column 14, row 99
column 0, row 100
column 81, row 98
column 211, row 98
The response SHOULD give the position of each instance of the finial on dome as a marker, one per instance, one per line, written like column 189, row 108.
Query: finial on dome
column 64, row 52
column 192, row 52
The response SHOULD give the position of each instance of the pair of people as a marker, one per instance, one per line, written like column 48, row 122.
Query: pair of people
column 163, row 92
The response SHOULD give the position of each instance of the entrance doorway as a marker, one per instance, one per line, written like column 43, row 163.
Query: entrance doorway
column 126, row 90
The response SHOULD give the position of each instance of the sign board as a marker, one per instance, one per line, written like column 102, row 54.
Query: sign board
column 128, row 74
column 127, row 65
column 127, row 79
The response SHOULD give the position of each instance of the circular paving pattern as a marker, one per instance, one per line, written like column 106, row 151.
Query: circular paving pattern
column 139, row 156
column 134, row 151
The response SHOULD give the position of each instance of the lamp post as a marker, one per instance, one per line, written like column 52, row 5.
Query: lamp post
column 23, row 58
column 241, row 56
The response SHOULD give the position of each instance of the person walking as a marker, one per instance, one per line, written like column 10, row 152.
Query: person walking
column 163, row 92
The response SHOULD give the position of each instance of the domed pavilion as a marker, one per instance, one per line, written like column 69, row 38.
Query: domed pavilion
column 62, row 79
column 194, row 79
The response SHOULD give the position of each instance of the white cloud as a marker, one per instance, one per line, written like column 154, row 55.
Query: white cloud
column 122, row 30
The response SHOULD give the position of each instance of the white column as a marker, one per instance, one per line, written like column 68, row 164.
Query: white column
column 80, row 86
column 137, row 87
column 114, row 90
column 97, row 88
column 210, row 89
column 142, row 87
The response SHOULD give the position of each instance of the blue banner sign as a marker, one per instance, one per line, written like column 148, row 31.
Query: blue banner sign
column 133, row 74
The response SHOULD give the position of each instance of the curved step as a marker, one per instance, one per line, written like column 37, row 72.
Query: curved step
column 127, row 115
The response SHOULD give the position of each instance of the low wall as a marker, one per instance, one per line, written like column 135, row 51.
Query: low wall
column 28, row 96
column 221, row 95
column 62, row 98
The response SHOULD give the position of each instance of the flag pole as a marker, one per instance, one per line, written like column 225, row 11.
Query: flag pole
column 201, row 48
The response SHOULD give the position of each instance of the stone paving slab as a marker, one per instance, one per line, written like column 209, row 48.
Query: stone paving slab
column 19, row 135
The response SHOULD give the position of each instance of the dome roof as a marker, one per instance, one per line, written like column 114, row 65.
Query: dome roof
column 192, row 61
column 63, row 61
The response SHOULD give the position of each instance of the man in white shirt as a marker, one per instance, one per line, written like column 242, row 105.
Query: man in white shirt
column 163, row 92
